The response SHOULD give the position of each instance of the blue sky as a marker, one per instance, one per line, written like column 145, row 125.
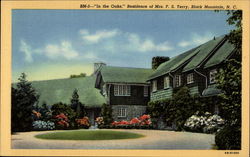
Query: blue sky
column 50, row 44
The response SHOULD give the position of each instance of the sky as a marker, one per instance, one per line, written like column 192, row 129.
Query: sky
column 52, row 44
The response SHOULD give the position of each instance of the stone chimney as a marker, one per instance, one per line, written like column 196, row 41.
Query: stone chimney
column 98, row 66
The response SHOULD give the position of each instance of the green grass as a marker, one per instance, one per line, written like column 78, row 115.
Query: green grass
column 89, row 135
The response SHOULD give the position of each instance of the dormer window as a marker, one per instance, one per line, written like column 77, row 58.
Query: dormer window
column 166, row 82
column 212, row 76
column 154, row 86
column 177, row 80
column 190, row 78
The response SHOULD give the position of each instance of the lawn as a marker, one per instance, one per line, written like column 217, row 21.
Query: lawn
column 89, row 135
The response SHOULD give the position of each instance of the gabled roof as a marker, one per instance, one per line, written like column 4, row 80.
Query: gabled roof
column 221, row 55
column 112, row 74
column 60, row 90
column 205, row 51
column 174, row 63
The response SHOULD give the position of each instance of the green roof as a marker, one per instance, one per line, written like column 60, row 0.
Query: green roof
column 60, row 90
column 173, row 63
column 204, row 51
column 222, row 54
column 211, row 90
column 112, row 74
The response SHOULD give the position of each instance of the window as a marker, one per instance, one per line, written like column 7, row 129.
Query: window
column 190, row 78
column 122, row 90
column 166, row 82
column 177, row 80
column 122, row 112
column 154, row 88
column 145, row 91
column 212, row 76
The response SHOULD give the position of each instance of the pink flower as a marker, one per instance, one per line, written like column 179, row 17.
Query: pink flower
column 135, row 121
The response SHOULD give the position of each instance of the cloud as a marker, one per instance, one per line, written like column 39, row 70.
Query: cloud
column 98, row 35
column 196, row 39
column 27, row 50
column 64, row 49
column 147, row 44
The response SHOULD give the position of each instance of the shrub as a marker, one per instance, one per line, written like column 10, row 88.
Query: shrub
column 61, row 121
column 137, row 123
column 205, row 123
column 83, row 123
column 99, row 121
column 43, row 125
column 60, row 108
column 228, row 138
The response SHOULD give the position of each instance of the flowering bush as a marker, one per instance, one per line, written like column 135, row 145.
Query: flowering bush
column 140, row 122
column 83, row 123
column 42, row 125
column 99, row 121
column 62, row 121
column 207, row 123
column 36, row 115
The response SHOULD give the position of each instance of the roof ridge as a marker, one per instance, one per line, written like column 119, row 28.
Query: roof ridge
column 128, row 67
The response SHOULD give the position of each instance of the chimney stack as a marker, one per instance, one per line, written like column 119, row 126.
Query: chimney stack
column 98, row 66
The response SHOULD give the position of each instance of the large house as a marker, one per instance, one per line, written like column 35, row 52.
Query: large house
column 125, row 89
column 195, row 69
column 128, row 90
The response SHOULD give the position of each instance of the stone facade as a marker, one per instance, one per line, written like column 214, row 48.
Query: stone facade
column 131, row 111
column 161, row 94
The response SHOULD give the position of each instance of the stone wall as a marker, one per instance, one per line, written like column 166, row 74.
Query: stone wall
column 131, row 111
column 161, row 94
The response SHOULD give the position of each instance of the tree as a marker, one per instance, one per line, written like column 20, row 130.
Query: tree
column 229, row 81
column 181, row 107
column 76, row 105
column 24, row 97
column 106, row 113
column 81, row 75
column 156, row 61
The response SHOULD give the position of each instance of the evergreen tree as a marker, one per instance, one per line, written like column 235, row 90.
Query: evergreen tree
column 24, row 97
column 106, row 113
column 181, row 107
column 76, row 105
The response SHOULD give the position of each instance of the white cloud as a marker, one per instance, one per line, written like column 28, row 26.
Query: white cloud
column 98, row 35
column 64, row 49
column 147, row 44
column 116, row 41
column 27, row 50
column 196, row 40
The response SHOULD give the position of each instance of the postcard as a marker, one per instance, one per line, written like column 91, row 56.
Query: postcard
column 125, row 78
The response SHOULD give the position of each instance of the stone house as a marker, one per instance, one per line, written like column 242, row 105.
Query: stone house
column 125, row 89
